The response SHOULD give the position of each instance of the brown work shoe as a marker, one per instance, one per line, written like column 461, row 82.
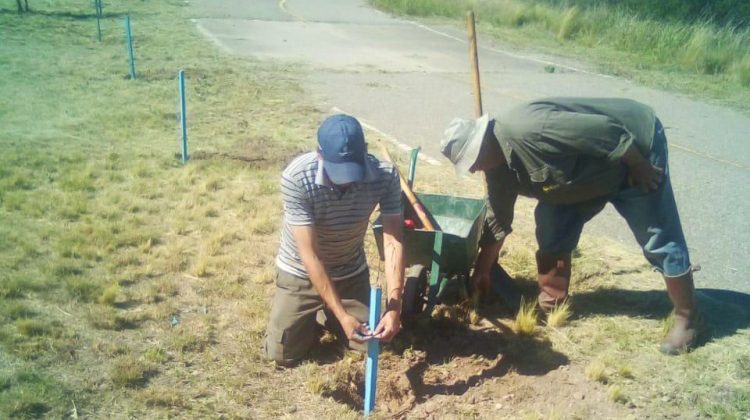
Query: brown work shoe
column 553, row 278
column 683, row 334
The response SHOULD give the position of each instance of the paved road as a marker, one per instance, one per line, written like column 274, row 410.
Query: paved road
column 409, row 80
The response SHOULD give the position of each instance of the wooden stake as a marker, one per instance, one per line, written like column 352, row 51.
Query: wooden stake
column 410, row 196
column 474, row 59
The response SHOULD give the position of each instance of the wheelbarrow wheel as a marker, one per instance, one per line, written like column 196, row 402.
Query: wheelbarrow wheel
column 415, row 286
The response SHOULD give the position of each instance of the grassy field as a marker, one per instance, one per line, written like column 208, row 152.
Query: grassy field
column 132, row 286
column 699, row 58
column 117, row 263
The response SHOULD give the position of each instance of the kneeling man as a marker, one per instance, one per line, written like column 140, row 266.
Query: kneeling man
column 328, row 198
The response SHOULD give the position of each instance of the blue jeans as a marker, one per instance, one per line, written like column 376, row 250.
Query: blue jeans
column 652, row 217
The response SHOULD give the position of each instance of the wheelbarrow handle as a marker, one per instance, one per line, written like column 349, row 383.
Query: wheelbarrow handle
column 413, row 200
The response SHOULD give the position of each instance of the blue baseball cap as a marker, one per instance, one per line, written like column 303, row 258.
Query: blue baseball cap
column 341, row 144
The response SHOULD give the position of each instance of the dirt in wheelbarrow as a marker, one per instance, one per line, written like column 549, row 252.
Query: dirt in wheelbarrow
column 442, row 365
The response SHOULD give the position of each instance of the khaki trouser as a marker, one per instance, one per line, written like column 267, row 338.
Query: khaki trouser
column 297, row 312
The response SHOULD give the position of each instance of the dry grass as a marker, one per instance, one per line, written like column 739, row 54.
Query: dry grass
column 128, row 371
column 526, row 319
column 560, row 315
column 615, row 393
column 597, row 372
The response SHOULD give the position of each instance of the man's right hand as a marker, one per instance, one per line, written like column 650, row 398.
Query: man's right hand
column 645, row 176
column 354, row 329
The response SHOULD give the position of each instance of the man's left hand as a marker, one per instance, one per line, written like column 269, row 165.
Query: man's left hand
column 389, row 326
column 641, row 173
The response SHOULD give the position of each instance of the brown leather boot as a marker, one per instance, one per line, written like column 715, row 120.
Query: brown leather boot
column 553, row 278
column 684, row 332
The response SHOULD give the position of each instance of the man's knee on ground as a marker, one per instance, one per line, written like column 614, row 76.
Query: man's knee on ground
column 287, row 349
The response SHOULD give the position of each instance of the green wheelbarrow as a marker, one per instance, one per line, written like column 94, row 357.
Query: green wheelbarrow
column 438, row 262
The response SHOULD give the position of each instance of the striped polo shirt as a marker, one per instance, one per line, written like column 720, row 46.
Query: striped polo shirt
column 340, row 217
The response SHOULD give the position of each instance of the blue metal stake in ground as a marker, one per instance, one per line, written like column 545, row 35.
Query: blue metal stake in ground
column 373, row 350
column 98, row 7
column 183, row 116
column 130, row 47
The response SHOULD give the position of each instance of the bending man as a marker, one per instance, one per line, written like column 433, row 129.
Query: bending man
column 575, row 155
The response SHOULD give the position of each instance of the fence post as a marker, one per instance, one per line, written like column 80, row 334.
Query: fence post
column 98, row 7
column 130, row 47
column 373, row 350
column 183, row 116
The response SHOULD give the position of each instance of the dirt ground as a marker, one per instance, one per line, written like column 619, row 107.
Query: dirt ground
column 443, row 367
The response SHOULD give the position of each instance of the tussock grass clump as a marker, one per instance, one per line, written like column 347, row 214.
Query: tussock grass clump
column 33, row 327
column 13, row 288
column 560, row 315
column 106, row 318
column 526, row 318
column 156, row 355
column 127, row 371
column 570, row 23
column 616, row 394
column 16, row 310
column 166, row 398
column 83, row 289
column 187, row 342
column 597, row 371
column 625, row 372
column 109, row 295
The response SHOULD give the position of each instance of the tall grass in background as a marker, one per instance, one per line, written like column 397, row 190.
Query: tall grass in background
column 698, row 48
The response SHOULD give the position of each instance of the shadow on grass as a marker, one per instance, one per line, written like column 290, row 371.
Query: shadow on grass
column 725, row 311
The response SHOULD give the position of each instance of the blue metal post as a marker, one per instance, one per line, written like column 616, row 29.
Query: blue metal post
column 98, row 7
column 130, row 47
column 373, row 350
column 183, row 116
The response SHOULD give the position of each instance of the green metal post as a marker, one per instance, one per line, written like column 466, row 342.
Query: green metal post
column 183, row 116
column 98, row 7
column 437, row 252
column 130, row 47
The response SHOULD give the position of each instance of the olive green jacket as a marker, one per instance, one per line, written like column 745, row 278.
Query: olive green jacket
column 563, row 151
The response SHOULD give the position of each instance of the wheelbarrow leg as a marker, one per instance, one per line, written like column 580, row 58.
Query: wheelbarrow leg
column 437, row 252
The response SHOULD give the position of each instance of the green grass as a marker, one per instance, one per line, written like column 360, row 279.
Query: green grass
column 102, row 224
column 128, row 371
column 697, row 57
column 26, row 394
